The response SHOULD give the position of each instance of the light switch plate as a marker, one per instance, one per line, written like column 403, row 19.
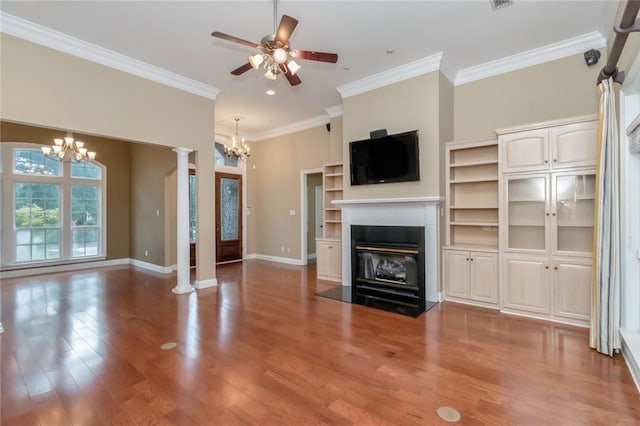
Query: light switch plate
column 292, row 212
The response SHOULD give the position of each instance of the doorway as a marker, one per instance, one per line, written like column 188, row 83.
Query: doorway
column 228, row 217
column 311, row 208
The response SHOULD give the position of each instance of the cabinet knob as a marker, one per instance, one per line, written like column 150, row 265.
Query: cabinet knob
column 547, row 214
column 546, row 267
column 471, row 259
column 330, row 246
column 467, row 259
column 546, row 161
column 553, row 214
column 555, row 267
column 555, row 160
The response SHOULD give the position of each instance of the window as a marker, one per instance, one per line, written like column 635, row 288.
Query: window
column 192, row 206
column 222, row 159
column 58, row 208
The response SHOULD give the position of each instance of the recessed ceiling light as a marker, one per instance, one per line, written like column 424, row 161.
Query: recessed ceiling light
column 346, row 68
column 270, row 92
column 389, row 51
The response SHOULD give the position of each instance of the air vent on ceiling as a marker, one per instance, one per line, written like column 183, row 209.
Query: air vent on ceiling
column 499, row 4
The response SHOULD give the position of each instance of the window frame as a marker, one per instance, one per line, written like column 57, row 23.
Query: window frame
column 65, row 182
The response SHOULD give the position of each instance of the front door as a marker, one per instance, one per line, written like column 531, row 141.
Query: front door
column 228, row 217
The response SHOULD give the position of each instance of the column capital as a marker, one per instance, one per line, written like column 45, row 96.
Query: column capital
column 182, row 151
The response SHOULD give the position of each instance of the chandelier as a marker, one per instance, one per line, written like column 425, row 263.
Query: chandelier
column 68, row 149
column 239, row 147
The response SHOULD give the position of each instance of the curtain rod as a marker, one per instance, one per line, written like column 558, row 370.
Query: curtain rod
column 628, row 24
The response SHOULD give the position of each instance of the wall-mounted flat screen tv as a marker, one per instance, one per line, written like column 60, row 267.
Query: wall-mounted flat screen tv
column 392, row 158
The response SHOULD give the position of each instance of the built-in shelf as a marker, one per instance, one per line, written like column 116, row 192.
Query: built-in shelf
column 333, row 221
column 472, row 207
column 487, row 179
column 458, row 223
column 472, row 194
column 333, row 189
column 332, row 209
column 333, row 174
column 474, row 163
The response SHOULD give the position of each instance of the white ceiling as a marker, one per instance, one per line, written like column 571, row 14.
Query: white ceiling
column 175, row 36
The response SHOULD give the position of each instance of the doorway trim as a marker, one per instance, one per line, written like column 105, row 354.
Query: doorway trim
column 304, row 202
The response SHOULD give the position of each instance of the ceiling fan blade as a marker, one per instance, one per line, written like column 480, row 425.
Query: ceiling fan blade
column 286, row 27
column 294, row 80
column 316, row 56
column 228, row 37
column 240, row 70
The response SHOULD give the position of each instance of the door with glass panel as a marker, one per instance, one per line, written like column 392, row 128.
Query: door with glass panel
column 228, row 217
column 527, row 211
column 572, row 208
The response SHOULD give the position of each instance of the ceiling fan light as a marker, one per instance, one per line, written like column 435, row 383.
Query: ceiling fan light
column 279, row 55
column 256, row 60
column 270, row 75
column 293, row 67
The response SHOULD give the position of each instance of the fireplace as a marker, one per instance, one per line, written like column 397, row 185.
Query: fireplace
column 388, row 268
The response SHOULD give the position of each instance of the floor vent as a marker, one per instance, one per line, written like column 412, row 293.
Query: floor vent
column 499, row 4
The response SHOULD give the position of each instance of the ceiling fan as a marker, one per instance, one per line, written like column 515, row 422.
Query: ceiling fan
column 275, row 55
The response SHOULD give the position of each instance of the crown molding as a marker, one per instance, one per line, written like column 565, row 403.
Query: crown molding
column 21, row 28
column 394, row 75
column 532, row 57
column 290, row 128
column 334, row 111
column 447, row 70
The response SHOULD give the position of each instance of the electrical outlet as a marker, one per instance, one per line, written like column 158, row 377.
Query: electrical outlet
column 288, row 249
column 292, row 212
column 158, row 212
column 146, row 253
column 282, row 249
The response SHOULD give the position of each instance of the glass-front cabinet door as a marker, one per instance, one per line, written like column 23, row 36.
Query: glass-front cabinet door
column 526, row 213
column 573, row 205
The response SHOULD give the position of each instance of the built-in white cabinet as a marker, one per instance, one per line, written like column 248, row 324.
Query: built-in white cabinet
column 328, row 248
column 557, row 288
column 547, row 195
column 471, row 276
column 329, row 259
column 470, row 256
column 549, row 212
column 549, row 148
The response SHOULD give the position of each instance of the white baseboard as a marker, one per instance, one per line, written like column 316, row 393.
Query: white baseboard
column 16, row 273
column 151, row 266
column 211, row 282
column 631, row 352
column 183, row 290
column 312, row 256
column 542, row 318
column 471, row 303
column 277, row 259
column 1, row 329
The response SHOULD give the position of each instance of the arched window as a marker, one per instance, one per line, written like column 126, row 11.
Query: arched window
column 57, row 208
column 222, row 159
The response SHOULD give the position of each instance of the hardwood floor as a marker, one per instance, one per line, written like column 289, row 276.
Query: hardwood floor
column 83, row 348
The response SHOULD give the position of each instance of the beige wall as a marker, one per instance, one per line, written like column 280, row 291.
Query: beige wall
column 273, row 189
column 114, row 154
column 49, row 88
column 335, row 140
column 558, row 89
column 148, row 199
column 408, row 105
column 313, row 180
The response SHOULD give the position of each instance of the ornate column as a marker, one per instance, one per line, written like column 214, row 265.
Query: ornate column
column 182, row 223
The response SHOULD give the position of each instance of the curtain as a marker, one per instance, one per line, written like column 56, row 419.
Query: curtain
column 605, row 301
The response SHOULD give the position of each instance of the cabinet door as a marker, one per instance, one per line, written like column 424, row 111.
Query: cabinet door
column 335, row 253
column 329, row 259
column 526, row 213
column 525, row 151
column 323, row 262
column 572, row 288
column 572, row 209
column 483, row 277
column 574, row 145
column 456, row 269
column 527, row 284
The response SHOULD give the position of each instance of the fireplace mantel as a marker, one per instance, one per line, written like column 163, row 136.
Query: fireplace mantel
column 408, row 211
column 406, row 200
